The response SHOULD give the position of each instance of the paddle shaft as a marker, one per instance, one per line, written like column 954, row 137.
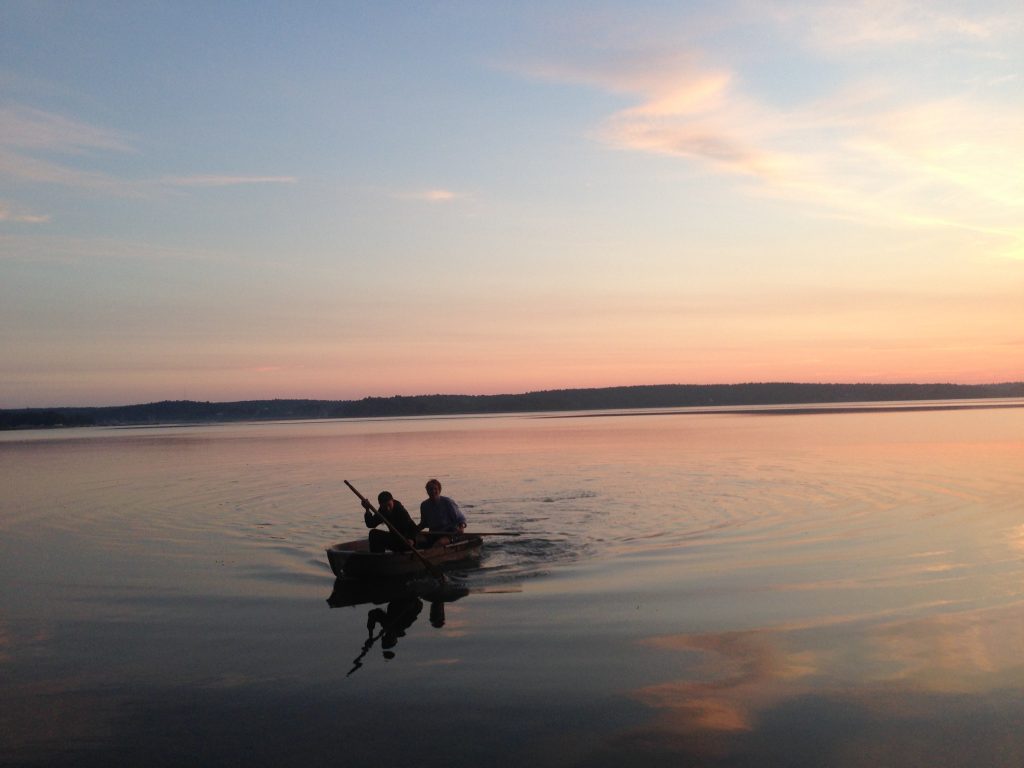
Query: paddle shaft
column 472, row 533
column 433, row 569
column 358, row 661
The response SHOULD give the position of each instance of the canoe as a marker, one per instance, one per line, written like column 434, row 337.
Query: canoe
column 355, row 560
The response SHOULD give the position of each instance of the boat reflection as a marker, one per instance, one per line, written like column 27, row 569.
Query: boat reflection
column 402, row 604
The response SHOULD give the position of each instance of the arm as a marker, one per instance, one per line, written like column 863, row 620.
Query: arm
column 369, row 518
column 457, row 516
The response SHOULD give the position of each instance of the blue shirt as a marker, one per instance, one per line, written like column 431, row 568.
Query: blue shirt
column 441, row 515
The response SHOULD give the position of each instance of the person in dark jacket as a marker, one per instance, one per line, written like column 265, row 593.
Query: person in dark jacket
column 398, row 516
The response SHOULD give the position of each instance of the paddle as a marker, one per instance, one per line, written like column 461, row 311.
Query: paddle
column 473, row 533
column 431, row 568
column 358, row 661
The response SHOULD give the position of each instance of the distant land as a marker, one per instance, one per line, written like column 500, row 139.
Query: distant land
column 652, row 396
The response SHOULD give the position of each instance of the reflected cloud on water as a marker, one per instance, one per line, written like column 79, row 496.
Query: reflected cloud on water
column 942, row 690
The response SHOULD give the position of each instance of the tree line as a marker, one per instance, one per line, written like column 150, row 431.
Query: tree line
column 651, row 396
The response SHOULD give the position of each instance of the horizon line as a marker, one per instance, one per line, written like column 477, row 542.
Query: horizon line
column 532, row 392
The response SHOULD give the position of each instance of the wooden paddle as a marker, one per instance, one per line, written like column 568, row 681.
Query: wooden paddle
column 473, row 533
column 431, row 568
column 358, row 661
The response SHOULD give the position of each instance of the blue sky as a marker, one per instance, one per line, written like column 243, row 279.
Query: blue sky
column 237, row 200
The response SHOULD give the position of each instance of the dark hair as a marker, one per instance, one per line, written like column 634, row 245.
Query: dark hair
column 384, row 496
column 434, row 481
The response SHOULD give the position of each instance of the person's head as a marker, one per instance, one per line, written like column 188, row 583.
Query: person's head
column 433, row 488
column 384, row 499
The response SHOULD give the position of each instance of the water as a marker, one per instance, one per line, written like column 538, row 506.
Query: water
column 842, row 589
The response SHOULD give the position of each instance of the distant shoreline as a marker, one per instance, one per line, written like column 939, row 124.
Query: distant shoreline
column 797, row 410
column 739, row 398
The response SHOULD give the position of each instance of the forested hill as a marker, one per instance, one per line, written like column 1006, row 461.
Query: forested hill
column 658, row 396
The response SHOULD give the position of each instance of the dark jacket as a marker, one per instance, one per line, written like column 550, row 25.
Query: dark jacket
column 398, row 517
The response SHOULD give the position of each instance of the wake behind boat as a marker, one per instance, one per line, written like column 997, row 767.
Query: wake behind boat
column 355, row 560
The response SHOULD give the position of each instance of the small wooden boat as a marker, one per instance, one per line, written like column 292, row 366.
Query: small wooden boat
column 355, row 560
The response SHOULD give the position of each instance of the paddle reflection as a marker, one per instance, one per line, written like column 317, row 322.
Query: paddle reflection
column 396, row 608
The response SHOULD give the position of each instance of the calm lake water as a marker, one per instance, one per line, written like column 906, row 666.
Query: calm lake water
column 713, row 589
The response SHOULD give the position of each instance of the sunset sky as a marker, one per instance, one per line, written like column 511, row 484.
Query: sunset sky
column 226, row 201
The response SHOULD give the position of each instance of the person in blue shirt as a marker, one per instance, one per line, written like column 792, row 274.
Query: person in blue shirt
column 440, row 515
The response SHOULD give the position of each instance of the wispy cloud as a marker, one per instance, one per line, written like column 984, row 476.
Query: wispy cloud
column 66, row 250
column 16, row 213
column 210, row 180
column 836, row 27
column 19, row 166
column 701, row 116
column 681, row 107
column 430, row 195
column 44, row 148
column 33, row 129
column 888, row 155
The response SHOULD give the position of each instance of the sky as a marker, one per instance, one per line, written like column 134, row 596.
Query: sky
column 334, row 200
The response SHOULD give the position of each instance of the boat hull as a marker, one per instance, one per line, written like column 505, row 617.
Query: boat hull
column 353, row 559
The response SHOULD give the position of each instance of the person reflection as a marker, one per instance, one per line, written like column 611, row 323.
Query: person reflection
column 437, row 614
column 394, row 621
column 389, row 624
column 398, row 617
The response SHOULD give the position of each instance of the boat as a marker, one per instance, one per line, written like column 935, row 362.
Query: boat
column 353, row 559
